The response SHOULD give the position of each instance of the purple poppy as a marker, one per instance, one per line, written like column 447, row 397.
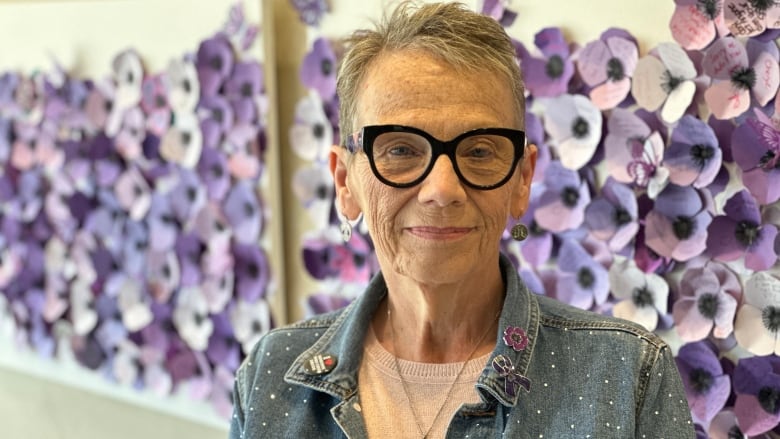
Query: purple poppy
column 757, row 385
column 562, row 204
column 633, row 152
column 693, row 157
column 216, row 119
column 242, row 147
column 612, row 217
column 212, row 169
column 740, row 233
column 707, row 302
column 738, row 72
column 214, row 63
column 223, row 349
column 516, row 338
column 582, row 281
column 187, row 197
column 607, row 65
column 318, row 70
column 676, row 228
column 755, row 145
column 548, row 75
column 707, row 387
column 252, row 271
column 188, row 250
column 163, row 274
column 243, row 211
column 242, row 89
column 311, row 11
column 163, row 226
column 695, row 23
column 534, row 132
column 326, row 256
column 320, row 303
column 537, row 248
column 498, row 10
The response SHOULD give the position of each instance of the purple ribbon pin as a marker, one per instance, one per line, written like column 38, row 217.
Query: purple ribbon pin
column 512, row 380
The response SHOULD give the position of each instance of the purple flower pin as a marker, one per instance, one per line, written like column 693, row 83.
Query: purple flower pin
column 512, row 379
column 516, row 338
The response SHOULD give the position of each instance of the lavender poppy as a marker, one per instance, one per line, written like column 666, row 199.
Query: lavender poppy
column 607, row 65
column 641, row 296
column 582, row 282
column 243, row 211
column 574, row 125
column 634, row 152
column 313, row 185
column 537, row 248
column 187, row 197
column 212, row 169
column 212, row 226
column 695, row 23
column 707, row 387
column 548, row 75
column 250, row 321
column 758, row 319
column 242, row 147
column 726, row 426
column 320, row 303
column 498, row 10
column 218, row 290
column 214, row 63
column 676, row 228
column 693, row 157
column 326, row 256
column 663, row 80
column 154, row 103
column 190, row 316
column 757, row 385
column 163, row 274
column 612, row 217
column 134, row 247
column 707, row 302
column 318, row 69
column 751, row 18
column 311, row 11
column 242, row 88
column 161, row 220
column 562, row 204
column 188, row 249
column 312, row 134
column 534, row 132
column 223, row 349
column 740, row 233
column 216, row 118
column 738, row 71
column 755, row 145
column 252, row 271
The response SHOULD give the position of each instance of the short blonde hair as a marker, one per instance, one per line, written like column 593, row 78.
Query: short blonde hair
column 461, row 37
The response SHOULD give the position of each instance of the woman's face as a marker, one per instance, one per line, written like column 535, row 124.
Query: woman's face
column 439, row 231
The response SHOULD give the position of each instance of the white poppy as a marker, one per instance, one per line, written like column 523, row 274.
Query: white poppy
column 642, row 295
column 191, row 318
column 574, row 125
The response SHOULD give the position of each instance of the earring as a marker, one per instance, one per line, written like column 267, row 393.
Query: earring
column 346, row 229
column 519, row 232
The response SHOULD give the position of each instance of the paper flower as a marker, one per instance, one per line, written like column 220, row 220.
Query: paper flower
column 612, row 217
column 707, row 302
column 548, row 75
column 707, row 387
column 606, row 65
column 191, row 318
column 320, row 303
column 498, row 10
column 327, row 256
column 633, row 153
column 677, row 226
column 213, row 172
column 243, row 88
column 582, row 282
column 214, row 63
column 726, row 426
column 216, row 118
column 755, row 145
column 163, row 274
column 740, row 232
column 750, row 18
column 537, row 247
column 312, row 134
column 313, row 186
column 318, row 69
column 562, row 204
column 133, row 193
column 188, row 196
column 182, row 83
column 242, row 210
column 664, row 80
column 642, row 296
column 250, row 321
column 693, row 156
column 243, row 148
column 252, row 271
column 696, row 23
column 758, row 319
column 757, row 385
column 154, row 103
column 183, row 142
column 311, row 11
column 574, row 124
column 738, row 71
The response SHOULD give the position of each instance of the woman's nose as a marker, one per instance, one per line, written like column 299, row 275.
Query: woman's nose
column 442, row 185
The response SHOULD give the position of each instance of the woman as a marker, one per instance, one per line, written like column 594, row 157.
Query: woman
column 447, row 340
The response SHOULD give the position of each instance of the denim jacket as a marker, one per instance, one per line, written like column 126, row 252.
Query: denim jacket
column 580, row 375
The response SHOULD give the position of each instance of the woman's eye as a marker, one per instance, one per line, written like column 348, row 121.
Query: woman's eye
column 401, row 150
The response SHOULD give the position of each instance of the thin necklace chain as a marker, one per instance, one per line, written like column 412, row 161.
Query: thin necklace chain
column 424, row 434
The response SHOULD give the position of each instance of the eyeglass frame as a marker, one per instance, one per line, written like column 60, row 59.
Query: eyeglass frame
column 364, row 140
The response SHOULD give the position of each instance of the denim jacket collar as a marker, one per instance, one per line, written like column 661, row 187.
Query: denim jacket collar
column 344, row 341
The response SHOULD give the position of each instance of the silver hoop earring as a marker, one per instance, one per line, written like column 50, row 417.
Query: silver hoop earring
column 519, row 232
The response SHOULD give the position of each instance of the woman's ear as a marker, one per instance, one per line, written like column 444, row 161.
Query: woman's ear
column 522, row 193
column 346, row 203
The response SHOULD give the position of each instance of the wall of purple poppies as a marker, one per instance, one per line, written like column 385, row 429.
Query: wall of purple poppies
column 655, row 199
column 131, row 214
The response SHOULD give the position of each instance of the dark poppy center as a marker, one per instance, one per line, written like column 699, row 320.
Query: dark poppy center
column 215, row 62
column 708, row 305
column 701, row 154
column 216, row 170
column 770, row 316
column 701, row 380
column 615, row 70
column 554, row 67
column 710, row 9
column 683, row 227
column 744, row 78
column 218, row 115
column 256, row 327
column 746, row 232
column 186, row 138
column 642, row 296
column 253, row 270
column 159, row 101
column 186, row 85
column 621, row 216
column 249, row 210
column 769, row 398
column 769, row 160
column 199, row 318
column 246, row 90
column 535, row 229
column 570, row 196
column 735, row 433
column 318, row 130
column 359, row 259
column 580, row 127
column 762, row 6
column 191, row 194
column 585, row 278
column 321, row 192
column 326, row 67
column 670, row 83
